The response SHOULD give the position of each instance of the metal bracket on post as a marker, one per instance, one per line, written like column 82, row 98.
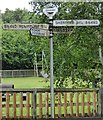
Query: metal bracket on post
column 50, row 27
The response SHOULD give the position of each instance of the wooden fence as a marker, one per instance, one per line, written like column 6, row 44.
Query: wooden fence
column 69, row 103
column 17, row 73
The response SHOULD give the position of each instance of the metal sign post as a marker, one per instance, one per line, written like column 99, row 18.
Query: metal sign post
column 50, row 10
column 51, row 66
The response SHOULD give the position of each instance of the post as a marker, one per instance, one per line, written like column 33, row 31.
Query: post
column 102, row 77
column 51, row 65
column 34, row 103
column 1, row 22
column 50, row 10
column 0, row 76
column 100, row 101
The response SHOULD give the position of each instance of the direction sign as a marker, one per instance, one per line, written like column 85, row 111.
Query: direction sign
column 25, row 26
column 39, row 32
column 50, row 10
column 76, row 23
column 36, row 26
column 60, row 30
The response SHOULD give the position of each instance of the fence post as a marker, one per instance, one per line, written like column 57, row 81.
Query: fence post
column 0, row 105
column 12, row 73
column 100, row 101
column 34, row 103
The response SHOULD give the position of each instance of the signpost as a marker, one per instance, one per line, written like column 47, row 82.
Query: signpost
column 62, row 29
column 50, row 10
column 76, row 22
column 36, row 27
column 47, row 30
column 39, row 32
column 25, row 26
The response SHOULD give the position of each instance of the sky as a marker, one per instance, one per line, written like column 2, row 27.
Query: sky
column 13, row 4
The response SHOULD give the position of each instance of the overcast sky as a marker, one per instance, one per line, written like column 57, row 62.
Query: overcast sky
column 13, row 4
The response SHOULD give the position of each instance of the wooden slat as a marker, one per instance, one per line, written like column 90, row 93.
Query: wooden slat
column 55, row 104
column 59, row 105
column 7, row 104
column 77, row 104
column 28, row 104
column 88, row 94
column 94, row 103
column 21, row 104
column 0, row 105
column 83, row 104
column 47, row 105
column 40, row 105
column 65, row 105
column 71, row 104
column 14, row 104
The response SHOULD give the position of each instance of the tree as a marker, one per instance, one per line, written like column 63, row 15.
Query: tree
column 78, row 52
column 75, row 58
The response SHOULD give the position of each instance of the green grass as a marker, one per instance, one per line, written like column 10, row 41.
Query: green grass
column 26, row 82
column 31, row 82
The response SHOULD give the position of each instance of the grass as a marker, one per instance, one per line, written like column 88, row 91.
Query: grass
column 26, row 82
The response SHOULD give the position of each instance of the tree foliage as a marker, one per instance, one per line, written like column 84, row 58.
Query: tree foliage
column 79, row 57
column 76, row 54
column 18, row 47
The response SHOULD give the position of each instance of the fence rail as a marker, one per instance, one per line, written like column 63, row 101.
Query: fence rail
column 35, row 103
column 17, row 73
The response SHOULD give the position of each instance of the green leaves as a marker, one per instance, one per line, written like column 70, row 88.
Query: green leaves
column 76, row 54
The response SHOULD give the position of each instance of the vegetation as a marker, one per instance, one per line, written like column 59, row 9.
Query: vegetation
column 77, row 55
